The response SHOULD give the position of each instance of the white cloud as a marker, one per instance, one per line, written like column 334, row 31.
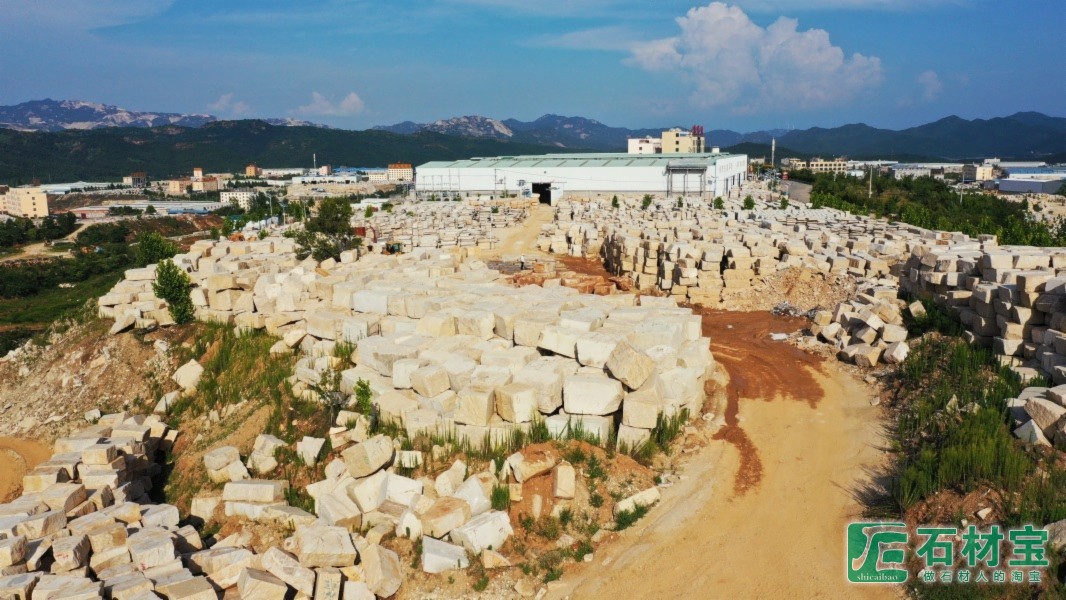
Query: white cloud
column 321, row 106
column 931, row 86
column 227, row 106
column 730, row 60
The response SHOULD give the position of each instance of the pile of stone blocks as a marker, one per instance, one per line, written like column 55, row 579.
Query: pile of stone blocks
column 448, row 345
column 443, row 224
column 868, row 329
column 85, row 528
column 704, row 255
column 1039, row 416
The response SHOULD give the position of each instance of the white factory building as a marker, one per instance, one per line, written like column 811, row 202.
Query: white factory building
column 551, row 176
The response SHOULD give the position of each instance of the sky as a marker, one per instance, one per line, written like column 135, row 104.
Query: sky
column 744, row 65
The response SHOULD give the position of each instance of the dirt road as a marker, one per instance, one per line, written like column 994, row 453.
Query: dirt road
column 521, row 240
column 17, row 457
column 760, row 512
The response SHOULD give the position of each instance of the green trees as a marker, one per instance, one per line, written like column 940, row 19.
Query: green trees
column 749, row 202
column 369, row 212
column 784, row 203
column 680, row 202
column 329, row 232
column 719, row 204
column 153, row 248
column 150, row 210
column 173, row 285
column 645, row 202
column 614, row 202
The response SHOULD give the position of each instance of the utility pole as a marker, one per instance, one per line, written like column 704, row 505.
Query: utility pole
column 773, row 152
column 870, row 192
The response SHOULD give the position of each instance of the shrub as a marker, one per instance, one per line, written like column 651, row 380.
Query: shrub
column 784, row 203
column 501, row 497
column 173, row 285
column 645, row 202
column 152, row 248
column 614, row 202
column 749, row 202
column 719, row 204
column 626, row 518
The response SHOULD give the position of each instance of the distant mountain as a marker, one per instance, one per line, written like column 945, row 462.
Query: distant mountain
column 109, row 153
column 1022, row 135
column 60, row 115
column 578, row 133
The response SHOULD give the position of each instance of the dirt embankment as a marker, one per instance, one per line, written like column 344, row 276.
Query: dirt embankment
column 760, row 512
column 17, row 457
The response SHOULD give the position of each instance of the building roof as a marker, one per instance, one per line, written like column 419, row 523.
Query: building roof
column 576, row 160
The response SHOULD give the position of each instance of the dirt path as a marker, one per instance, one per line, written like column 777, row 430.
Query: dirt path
column 17, row 457
column 521, row 240
column 760, row 512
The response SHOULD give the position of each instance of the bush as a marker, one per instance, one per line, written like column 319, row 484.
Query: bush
column 626, row 518
column 501, row 497
column 173, row 285
column 749, row 202
column 614, row 202
column 784, row 203
column 153, row 248
column 645, row 202
column 719, row 204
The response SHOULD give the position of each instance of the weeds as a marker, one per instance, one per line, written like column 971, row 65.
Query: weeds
column 501, row 497
column 626, row 518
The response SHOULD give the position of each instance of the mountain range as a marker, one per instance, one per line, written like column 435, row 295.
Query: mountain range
column 563, row 132
column 108, row 153
column 60, row 115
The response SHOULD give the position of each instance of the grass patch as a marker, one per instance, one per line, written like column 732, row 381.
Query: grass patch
column 501, row 497
column 55, row 303
column 627, row 518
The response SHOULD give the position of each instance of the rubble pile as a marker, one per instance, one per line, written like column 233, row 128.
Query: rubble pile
column 869, row 328
column 1039, row 415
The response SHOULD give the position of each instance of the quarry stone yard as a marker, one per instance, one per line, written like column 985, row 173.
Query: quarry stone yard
column 595, row 424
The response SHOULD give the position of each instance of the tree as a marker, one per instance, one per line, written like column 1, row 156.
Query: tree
column 614, row 202
column 645, row 202
column 329, row 232
column 150, row 210
column 369, row 212
column 784, row 203
column 749, row 202
column 1062, row 190
column 719, row 204
column 153, row 248
column 680, row 202
column 173, row 285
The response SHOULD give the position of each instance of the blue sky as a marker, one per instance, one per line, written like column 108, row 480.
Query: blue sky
column 743, row 65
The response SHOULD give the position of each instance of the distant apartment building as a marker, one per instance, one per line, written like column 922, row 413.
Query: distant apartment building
column 673, row 141
column 820, row 165
column 377, row 176
column 978, row 172
column 679, row 141
column 645, row 145
column 240, row 198
column 400, row 172
column 282, row 172
column 28, row 202
column 252, row 171
column 196, row 184
column 137, row 179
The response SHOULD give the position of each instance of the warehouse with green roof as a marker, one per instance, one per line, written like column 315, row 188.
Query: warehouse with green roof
column 549, row 177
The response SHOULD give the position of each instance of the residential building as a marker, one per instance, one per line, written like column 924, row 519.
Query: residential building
column 794, row 164
column 673, row 141
column 252, row 171
column 28, row 202
column 400, row 172
column 378, row 176
column 137, row 179
column 679, row 141
column 820, row 165
column 240, row 198
column 977, row 172
column 645, row 145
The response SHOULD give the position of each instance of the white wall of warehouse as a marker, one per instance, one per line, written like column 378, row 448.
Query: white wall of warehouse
column 725, row 173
